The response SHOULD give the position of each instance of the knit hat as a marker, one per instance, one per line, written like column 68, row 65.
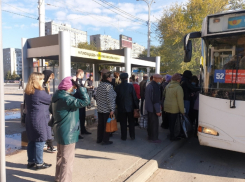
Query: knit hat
column 124, row 76
column 65, row 84
column 187, row 74
column 168, row 78
column 176, row 77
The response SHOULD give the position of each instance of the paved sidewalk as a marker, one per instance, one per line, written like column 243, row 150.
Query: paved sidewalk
column 93, row 162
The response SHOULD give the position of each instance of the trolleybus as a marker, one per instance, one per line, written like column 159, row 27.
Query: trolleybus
column 222, row 79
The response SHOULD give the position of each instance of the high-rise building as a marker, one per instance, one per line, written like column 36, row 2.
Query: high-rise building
column 77, row 36
column 106, row 42
column 12, row 60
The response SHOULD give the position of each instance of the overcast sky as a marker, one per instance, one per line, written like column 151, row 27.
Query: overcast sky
column 85, row 15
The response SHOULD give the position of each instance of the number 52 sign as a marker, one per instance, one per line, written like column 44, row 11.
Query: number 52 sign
column 219, row 76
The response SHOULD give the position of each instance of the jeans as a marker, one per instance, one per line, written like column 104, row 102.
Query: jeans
column 187, row 106
column 35, row 152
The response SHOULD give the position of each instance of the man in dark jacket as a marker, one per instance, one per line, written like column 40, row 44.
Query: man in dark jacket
column 188, row 88
column 153, row 107
column 126, row 101
column 142, row 91
column 82, row 111
column 90, row 88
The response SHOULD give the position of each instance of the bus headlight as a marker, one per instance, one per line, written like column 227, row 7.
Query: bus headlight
column 208, row 131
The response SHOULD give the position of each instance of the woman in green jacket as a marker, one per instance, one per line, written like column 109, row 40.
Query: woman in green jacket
column 65, row 110
column 174, row 102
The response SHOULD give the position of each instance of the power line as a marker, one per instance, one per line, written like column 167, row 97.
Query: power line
column 120, row 10
column 17, row 8
column 20, row 14
column 132, row 19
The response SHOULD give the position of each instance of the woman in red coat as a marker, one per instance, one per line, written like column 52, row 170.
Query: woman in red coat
column 137, row 90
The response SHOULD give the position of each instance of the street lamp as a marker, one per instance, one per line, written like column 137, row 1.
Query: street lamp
column 149, row 3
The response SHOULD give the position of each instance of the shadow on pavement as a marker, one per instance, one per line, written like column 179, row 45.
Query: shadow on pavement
column 14, row 173
column 193, row 158
column 91, row 157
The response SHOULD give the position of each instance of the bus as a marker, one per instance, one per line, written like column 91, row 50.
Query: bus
column 221, row 122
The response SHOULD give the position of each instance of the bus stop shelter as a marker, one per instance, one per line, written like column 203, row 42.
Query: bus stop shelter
column 57, row 47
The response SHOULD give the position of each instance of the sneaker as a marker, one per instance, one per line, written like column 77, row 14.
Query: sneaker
column 45, row 146
column 51, row 150
column 43, row 166
column 30, row 165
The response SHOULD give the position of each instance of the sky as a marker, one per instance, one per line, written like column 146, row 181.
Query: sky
column 86, row 15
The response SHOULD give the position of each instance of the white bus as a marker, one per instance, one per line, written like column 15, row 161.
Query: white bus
column 222, row 79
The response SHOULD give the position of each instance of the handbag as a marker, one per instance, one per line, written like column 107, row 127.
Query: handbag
column 136, row 113
column 111, row 124
column 23, row 116
column 51, row 121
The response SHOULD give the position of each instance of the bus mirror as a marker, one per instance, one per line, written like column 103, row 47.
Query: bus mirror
column 188, row 52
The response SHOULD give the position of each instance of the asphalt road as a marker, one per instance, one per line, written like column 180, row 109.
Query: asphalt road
column 195, row 163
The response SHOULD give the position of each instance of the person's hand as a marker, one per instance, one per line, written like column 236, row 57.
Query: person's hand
column 111, row 114
column 74, row 78
column 158, row 114
column 74, row 83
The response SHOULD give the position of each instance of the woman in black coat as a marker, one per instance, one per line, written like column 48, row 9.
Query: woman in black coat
column 48, row 76
column 37, row 117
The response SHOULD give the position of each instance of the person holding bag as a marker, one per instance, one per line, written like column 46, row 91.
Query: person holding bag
column 106, row 105
column 173, row 103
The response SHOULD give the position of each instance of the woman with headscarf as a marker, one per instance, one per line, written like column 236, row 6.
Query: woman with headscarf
column 65, row 110
column 48, row 76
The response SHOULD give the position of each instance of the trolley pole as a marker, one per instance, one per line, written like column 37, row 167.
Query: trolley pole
column 2, row 109
column 41, row 12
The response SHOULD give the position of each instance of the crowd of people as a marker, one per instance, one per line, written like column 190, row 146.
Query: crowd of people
column 64, row 112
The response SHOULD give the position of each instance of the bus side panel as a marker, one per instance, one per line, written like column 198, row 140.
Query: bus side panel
column 216, row 114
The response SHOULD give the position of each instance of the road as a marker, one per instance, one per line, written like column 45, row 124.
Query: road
column 195, row 163
column 13, row 97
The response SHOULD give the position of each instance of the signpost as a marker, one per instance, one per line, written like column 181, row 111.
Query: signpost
column 126, row 41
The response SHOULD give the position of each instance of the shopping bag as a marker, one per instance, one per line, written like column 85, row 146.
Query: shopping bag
column 143, row 121
column 111, row 124
column 136, row 113
column 186, row 125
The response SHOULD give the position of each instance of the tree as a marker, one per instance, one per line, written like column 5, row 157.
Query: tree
column 14, row 76
column 236, row 4
column 180, row 19
column 8, row 76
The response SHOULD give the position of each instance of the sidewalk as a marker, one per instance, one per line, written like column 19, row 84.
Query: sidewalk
column 93, row 162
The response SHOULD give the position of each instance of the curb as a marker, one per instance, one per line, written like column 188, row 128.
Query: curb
column 147, row 170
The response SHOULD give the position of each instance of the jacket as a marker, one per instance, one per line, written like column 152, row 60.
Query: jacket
column 106, row 98
column 137, row 90
column 88, row 84
column 65, row 112
column 37, row 115
column 126, row 99
column 174, row 98
column 142, row 89
column 150, row 93
column 188, row 88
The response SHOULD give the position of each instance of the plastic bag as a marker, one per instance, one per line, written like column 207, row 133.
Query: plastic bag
column 186, row 125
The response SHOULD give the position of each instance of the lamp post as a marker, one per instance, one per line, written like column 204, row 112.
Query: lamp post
column 2, row 110
column 149, row 3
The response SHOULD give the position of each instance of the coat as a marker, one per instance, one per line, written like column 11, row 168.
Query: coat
column 142, row 88
column 150, row 106
column 65, row 112
column 126, row 99
column 188, row 88
column 37, row 116
column 137, row 90
column 174, row 98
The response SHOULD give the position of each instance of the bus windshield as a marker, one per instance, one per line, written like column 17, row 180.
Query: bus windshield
column 223, row 67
